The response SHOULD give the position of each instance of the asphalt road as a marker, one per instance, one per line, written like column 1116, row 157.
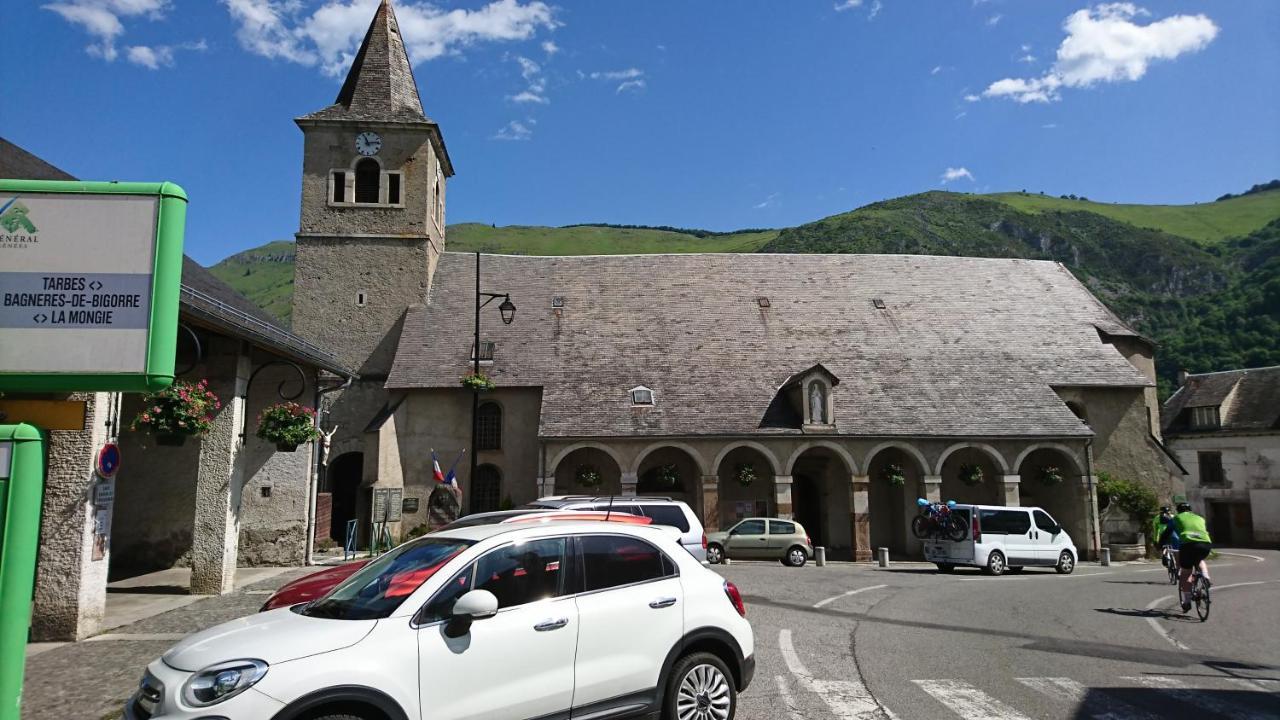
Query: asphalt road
column 852, row 641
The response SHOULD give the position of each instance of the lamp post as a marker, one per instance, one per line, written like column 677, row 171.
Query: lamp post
column 508, row 311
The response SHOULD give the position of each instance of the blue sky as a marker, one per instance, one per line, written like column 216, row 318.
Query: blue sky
column 716, row 115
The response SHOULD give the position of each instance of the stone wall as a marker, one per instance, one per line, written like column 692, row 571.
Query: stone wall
column 1124, row 446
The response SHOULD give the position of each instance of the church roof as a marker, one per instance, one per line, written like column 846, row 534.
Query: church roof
column 961, row 347
column 380, row 84
column 1255, row 406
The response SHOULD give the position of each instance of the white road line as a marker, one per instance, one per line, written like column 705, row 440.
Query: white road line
column 1266, row 685
column 834, row 598
column 787, row 699
column 968, row 701
column 1232, row 554
column 848, row 699
column 1203, row 699
column 1165, row 634
column 1096, row 705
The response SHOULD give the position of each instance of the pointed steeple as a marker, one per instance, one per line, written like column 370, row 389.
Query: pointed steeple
column 380, row 84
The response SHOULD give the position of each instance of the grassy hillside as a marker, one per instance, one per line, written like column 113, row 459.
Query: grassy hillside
column 1206, row 222
column 264, row 275
column 595, row 240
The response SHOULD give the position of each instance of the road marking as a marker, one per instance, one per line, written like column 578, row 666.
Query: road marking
column 259, row 592
column 1232, row 554
column 834, row 598
column 787, row 699
column 848, row 699
column 968, row 701
column 1203, row 699
column 1164, row 634
column 1091, row 701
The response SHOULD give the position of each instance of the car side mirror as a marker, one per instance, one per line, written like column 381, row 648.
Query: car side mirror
column 474, row 605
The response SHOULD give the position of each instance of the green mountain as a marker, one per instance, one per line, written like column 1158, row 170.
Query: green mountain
column 1202, row 280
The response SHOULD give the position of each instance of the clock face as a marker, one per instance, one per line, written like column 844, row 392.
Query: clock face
column 368, row 143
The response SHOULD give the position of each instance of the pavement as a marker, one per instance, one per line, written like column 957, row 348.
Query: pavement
column 899, row 643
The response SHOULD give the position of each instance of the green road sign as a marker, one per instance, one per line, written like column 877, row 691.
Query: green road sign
column 21, row 493
column 89, row 280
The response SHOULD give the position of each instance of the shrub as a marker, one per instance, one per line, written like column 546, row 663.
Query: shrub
column 287, row 423
column 894, row 475
column 587, row 476
column 481, row 382
column 971, row 474
column 1136, row 500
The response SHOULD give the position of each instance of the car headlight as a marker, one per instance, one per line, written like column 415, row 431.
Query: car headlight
column 222, row 681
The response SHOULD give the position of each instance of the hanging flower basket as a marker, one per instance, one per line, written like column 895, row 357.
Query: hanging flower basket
column 288, row 425
column 587, row 476
column 894, row 475
column 667, row 476
column 177, row 412
column 1050, row 475
column 971, row 474
column 745, row 474
column 480, row 382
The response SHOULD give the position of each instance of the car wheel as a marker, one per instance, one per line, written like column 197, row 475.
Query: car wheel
column 1015, row 568
column 700, row 688
column 715, row 554
column 945, row 568
column 796, row 557
column 995, row 563
column 1066, row 563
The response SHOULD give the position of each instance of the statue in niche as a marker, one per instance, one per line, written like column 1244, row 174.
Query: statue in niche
column 818, row 404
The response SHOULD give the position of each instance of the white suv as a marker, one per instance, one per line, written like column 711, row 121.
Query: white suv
column 494, row 622
column 662, row 510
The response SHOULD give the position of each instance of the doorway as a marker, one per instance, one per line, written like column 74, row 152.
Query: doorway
column 343, row 478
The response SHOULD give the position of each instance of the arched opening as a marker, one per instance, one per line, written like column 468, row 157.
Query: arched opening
column 486, row 489
column 971, row 475
column 1050, row 479
column 343, row 478
column 670, row 472
column 746, row 486
column 489, row 427
column 820, row 500
column 588, row 471
column 895, row 476
column 368, row 178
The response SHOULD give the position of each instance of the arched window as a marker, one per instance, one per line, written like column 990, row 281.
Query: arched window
column 368, row 178
column 486, row 490
column 489, row 427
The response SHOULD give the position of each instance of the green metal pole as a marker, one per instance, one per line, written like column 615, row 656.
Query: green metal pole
column 22, row 490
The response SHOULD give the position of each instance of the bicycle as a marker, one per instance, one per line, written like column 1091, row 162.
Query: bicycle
column 1200, row 594
column 1170, row 559
column 937, row 520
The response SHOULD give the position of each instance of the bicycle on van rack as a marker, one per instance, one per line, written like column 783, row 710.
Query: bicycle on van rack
column 937, row 520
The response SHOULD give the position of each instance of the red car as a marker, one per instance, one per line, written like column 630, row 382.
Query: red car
column 317, row 584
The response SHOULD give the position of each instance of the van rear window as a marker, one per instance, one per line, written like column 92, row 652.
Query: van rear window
column 667, row 515
column 1012, row 522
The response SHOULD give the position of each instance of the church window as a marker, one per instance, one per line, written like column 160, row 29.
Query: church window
column 339, row 186
column 393, row 188
column 489, row 427
column 368, row 175
column 486, row 351
column 641, row 396
column 439, row 203
column 362, row 298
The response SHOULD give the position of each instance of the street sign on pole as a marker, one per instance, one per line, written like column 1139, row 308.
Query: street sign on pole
column 89, row 281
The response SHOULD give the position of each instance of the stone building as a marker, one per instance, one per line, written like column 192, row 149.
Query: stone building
column 821, row 376
column 1225, row 428
column 214, row 503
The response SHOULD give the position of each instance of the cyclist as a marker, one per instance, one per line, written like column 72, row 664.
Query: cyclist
column 1195, row 547
column 1163, row 535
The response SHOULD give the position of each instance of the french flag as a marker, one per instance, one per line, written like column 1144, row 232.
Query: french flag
column 436, row 473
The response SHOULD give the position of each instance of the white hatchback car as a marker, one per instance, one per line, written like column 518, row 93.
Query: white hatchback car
column 495, row 622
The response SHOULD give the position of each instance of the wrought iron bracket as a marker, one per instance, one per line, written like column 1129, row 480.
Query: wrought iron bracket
column 280, row 389
column 197, row 358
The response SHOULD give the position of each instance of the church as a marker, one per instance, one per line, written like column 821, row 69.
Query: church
column 833, row 389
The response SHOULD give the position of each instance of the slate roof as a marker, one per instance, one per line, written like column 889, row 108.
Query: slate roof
column 18, row 164
column 964, row 346
column 1255, row 408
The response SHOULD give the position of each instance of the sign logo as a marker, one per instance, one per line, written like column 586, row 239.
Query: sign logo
column 13, row 217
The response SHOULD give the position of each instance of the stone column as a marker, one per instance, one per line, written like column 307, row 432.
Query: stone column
column 219, row 481
column 70, row 595
column 629, row 481
column 1093, row 526
column 860, row 516
column 711, row 502
column 1011, row 486
column 933, row 488
column 782, row 496
column 546, row 486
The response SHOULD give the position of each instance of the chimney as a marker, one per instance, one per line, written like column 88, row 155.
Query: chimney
column 1182, row 377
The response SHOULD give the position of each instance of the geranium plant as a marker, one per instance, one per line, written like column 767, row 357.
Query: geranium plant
column 668, row 475
column 177, row 412
column 1050, row 475
column 971, row 474
column 288, row 425
column 478, row 381
column 745, row 474
column 587, row 476
column 894, row 475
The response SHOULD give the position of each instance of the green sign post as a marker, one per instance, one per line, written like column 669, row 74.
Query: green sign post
column 89, row 280
column 21, row 494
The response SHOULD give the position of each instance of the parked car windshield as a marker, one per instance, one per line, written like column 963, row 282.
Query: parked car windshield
column 379, row 587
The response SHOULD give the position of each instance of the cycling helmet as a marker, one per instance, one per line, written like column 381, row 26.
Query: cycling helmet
column 1184, row 507
column 1164, row 508
column 951, row 503
column 921, row 502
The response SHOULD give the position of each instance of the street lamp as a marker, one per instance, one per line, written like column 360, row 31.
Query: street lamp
column 507, row 310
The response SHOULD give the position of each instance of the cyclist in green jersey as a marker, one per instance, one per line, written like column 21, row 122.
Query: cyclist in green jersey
column 1195, row 547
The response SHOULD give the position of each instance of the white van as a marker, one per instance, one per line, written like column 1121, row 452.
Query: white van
column 1004, row 538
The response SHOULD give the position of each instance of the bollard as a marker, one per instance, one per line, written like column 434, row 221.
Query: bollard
column 725, row 561
column 820, row 556
column 1105, row 557
column 883, row 556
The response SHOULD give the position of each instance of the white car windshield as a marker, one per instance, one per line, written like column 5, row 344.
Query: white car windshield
column 378, row 588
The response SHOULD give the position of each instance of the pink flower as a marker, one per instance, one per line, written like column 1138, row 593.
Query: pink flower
column 156, row 409
column 146, row 417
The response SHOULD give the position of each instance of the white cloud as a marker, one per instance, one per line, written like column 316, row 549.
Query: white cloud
column 1027, row 58
column 1104, row 44
column 994, row 20
column 847, row 5
column 628, row 74
column 536, row 90
column 961, row 114
column 1049, row 126
column 936, row 69
column 631, row 85
column 550, row 48
column 876, row 7
column 768, row 202
column 972, row 98
column 514, row 130
column 329, row 36
column 102, row 19
column 155, row 57
column 951, row 174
